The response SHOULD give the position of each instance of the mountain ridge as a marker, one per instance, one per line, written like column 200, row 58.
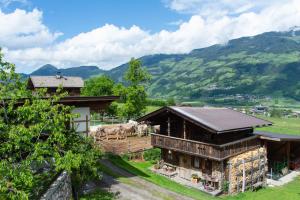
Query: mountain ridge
column 265, row 64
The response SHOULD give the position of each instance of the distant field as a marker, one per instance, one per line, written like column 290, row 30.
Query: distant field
column 282, row 125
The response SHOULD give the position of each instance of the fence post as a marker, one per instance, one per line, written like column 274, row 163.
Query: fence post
column 128, row 150
column 87, row 125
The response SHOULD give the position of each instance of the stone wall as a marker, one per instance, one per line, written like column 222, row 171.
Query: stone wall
column 60, row 189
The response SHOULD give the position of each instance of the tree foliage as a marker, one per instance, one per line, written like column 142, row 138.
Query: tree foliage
column 134, row 96
column 136, row 74
column 98, row 86
column 36, row 141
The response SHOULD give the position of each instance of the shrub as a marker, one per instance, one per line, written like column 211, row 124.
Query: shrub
column 225, row 186
column 152, row 155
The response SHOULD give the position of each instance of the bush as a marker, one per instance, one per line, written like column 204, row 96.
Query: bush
column 276, row 113
column 225, row 186
column 152, row 155
column 125, row 157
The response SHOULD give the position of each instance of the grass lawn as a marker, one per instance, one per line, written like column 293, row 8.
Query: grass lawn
column 99, row 195
column 141, row 169
column 282, row 125
column 290, row 191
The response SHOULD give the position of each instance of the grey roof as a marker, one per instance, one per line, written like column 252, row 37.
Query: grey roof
column 218, row 119
column 56, row 81
column 277, row 136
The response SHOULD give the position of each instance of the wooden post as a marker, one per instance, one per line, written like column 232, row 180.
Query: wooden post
column 229, row 179
column 288, row 151
column 169, row 126
column 184, row 130
column 244, row 176
column 222, row 175
column 252, row 160
column 87, row 125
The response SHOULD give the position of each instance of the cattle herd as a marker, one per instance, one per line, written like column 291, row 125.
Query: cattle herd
column 122, row 131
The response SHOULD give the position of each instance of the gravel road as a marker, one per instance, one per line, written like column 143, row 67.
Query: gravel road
column 134, row 187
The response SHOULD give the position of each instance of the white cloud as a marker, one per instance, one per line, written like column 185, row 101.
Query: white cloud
column 7, row 3
column 109, row 45
column 210, row 8
column 21, row 29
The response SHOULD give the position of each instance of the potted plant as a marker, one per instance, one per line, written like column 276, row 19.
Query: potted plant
column 194, row 178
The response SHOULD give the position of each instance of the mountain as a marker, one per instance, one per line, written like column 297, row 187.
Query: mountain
column 267, row 64
column 82, row 71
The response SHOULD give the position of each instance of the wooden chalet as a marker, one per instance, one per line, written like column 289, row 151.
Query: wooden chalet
column 204, row 141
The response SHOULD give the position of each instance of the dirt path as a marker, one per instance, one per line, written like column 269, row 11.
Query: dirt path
column 136, row 188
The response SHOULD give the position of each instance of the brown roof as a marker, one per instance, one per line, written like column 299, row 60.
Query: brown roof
column 277, row 136
column 217, row 119
column 56, row 81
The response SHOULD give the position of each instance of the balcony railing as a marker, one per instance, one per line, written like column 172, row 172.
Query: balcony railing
column 207, row 150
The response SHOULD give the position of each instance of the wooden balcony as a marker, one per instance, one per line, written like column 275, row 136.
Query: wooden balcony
column 206, row 150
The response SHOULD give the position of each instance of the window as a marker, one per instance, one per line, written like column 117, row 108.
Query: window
column 170, row 155
column 196, row 162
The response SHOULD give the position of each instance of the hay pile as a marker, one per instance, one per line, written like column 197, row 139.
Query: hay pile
column 255, row 167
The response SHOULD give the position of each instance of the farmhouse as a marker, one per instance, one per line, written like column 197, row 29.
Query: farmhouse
column 216, row 146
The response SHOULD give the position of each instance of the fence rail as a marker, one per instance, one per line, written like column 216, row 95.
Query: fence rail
column 212, row 151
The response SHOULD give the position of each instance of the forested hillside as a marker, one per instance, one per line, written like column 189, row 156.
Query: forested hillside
column 266, row 64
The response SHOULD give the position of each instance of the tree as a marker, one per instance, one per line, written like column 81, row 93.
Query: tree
column 135, row 94
column 171, row 101
column 35, row 141
column 136, row 74
column 98, row 86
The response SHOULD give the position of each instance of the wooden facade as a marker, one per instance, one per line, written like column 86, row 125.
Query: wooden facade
column 195, row 148
column 205, row 150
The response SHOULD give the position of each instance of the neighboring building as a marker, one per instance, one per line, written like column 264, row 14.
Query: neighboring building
column 71, row 84
column 260, row 109
column 296, row 114
column 83, row 105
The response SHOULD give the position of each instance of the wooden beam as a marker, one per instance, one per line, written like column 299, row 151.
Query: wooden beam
column 288, row 152
column 87, row 125
column 184, row 130
column 169, row 126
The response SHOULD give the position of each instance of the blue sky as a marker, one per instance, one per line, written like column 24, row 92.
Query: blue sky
column 73, row 17
column 107, row 33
